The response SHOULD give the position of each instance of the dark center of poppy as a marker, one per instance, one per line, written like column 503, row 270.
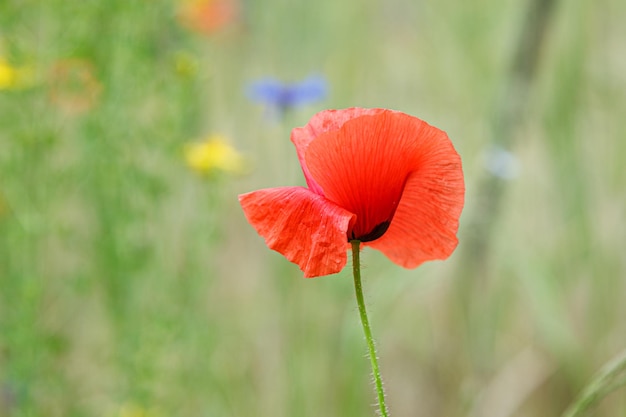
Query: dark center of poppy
column 374, row 234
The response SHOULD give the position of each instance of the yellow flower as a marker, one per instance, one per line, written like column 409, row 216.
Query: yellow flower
column 214, row 154
column 13, row 77
column 185, row 65
column 134, row 410
column 130, row 410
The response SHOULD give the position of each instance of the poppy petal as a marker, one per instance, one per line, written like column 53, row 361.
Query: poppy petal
column 425, row 223
column 363, row 167
column 307, row 229
column 322, row 122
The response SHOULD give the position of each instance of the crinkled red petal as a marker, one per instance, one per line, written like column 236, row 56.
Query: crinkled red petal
column 363, row 166
column 425, row 223
column 322, row 122
column 392, row 167
column 303, row 226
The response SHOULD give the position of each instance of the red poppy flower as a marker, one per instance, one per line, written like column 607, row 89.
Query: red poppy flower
column 379, row 176
column 208, row 16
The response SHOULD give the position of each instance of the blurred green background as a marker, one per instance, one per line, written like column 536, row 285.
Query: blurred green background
column 132, row 286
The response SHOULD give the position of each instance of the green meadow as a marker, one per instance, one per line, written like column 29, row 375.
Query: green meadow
column 131, row 285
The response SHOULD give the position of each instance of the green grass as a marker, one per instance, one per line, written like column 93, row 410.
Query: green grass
column 126, row 280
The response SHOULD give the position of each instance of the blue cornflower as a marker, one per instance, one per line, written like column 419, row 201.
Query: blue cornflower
column 280, row 97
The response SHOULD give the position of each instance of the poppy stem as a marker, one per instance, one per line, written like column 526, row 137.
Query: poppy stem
column 356, row 269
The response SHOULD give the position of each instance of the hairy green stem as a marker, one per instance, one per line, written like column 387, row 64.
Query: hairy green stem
column 356, row 269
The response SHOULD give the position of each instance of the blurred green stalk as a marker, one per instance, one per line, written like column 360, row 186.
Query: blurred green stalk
column 507, row 118
column 611, row 377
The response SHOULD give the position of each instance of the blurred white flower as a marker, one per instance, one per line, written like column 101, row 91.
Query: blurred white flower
column 501, row 163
